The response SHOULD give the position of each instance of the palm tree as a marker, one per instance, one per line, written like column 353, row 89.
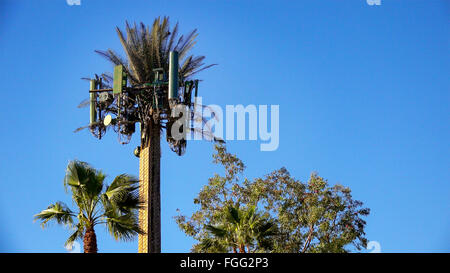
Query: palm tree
column 241, row 230
column 116, row 206
column 148, row 49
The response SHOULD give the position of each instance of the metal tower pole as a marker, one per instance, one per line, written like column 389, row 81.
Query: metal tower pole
column 149, row 191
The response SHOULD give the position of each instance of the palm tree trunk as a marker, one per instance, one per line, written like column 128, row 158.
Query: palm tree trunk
column 241, row 248
column 149, row 191
column 90, row 241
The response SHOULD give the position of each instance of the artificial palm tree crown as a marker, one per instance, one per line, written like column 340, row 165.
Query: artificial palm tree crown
column 114, row 205
column 147, row 53
column 147, row 49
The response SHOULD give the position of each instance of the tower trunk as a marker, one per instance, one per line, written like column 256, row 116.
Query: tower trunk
column 149, row 190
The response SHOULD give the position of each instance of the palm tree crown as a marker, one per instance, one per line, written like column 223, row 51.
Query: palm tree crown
column 240, row 229
column 114, row 205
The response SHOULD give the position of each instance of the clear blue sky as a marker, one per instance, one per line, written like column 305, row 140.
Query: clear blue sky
column 363, row 94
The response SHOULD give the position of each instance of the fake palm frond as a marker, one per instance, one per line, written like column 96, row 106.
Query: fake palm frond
column 148, row 48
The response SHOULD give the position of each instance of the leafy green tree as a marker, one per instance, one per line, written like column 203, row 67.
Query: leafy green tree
column 308, row 217
column 116, row 207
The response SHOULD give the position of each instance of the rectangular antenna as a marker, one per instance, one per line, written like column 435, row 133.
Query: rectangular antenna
column 120, row 79
column 93, row 102
column 173, row 75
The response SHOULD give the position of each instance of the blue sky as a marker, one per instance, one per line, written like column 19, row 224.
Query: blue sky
column 363, row 94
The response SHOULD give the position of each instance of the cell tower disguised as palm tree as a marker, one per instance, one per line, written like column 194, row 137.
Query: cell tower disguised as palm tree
column 147, row 87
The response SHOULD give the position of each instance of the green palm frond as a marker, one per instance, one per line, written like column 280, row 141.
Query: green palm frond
column 210, row 245
column 216, row 231
column 249, row 214
column 77, row 172
column 129, row 202
column 122, row 188
column 76, row 235
column 58, row 212
column 233, row 215
column 266, row 228
column 86, row 183
column 80, row 176
column 122, row 227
